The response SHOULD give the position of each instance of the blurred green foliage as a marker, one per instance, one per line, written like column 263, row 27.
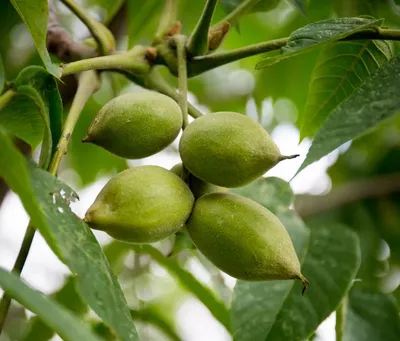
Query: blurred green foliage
column 376, row 220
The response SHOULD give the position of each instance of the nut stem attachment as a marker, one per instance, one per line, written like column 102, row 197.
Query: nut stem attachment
column 86, row 139
column 305, row 282
column 288, row 157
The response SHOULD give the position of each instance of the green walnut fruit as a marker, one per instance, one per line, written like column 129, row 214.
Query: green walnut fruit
column 228, row 149
column 197, row 186
column 136, row 125
column 243, row 238
column 141, row 205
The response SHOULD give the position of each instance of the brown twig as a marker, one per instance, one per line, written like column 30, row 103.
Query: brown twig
column 61, row 44
column 307, row 205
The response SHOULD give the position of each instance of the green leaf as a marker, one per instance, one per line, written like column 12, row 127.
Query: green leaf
column 41, row 87
column 35, row 15
column 14, row 171
column 300, row 5
column 68, row 298
column 394, row 7
column 83, row 255
column 277, row 311
column 229, row 5
column 46, row 200
column 346, row 8
column 141, row 14
column 316, row 34
column 361, row 221
column 116, row 253
column 298, row 232
column 259, row 5
column 283, row 85
column 64, row 323
column 22, row 117
column 152, row 316
column 396, row 295
column 340, row 70
column 371, row 316
column 2, row 75
column 375, row 100
column 218, row 281
column 273, row 193
column 105, row 8
column 205, row 295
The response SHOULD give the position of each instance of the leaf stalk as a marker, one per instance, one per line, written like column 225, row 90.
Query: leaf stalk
column 87, row 85
column 340, row 319
column 182, row 77
column 100, row 33
column 6, row 98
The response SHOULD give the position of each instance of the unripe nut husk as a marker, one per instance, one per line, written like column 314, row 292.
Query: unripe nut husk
column 243, row 239
column 141, row 205
column 136, row 125
column 228, row 149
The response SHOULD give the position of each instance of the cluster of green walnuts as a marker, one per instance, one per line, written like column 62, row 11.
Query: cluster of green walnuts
column 220, row 150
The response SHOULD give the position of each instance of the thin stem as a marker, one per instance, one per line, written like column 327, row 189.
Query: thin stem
column 182, row 77
column 202, row 64
column 6, row 98
column 305, row 283
column 17, row 269
column 87, row 85
column 198, row 41
column 100, row 33
column 376, row 33
column 288, row 157
column 238, row 12
column 156, row 82
column 340, row 319
column 132, row 61
column 168, row 17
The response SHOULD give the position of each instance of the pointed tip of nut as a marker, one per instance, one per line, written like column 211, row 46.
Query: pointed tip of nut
column 305, row 283
column 86, row 139
column 88, row 217
column 288, row 157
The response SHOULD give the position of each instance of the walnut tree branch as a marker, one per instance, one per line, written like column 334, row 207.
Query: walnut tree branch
column 204, row 63
column 308, row 205
column 61, row 44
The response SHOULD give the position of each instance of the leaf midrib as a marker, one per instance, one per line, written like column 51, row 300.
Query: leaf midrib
column 348, row 70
